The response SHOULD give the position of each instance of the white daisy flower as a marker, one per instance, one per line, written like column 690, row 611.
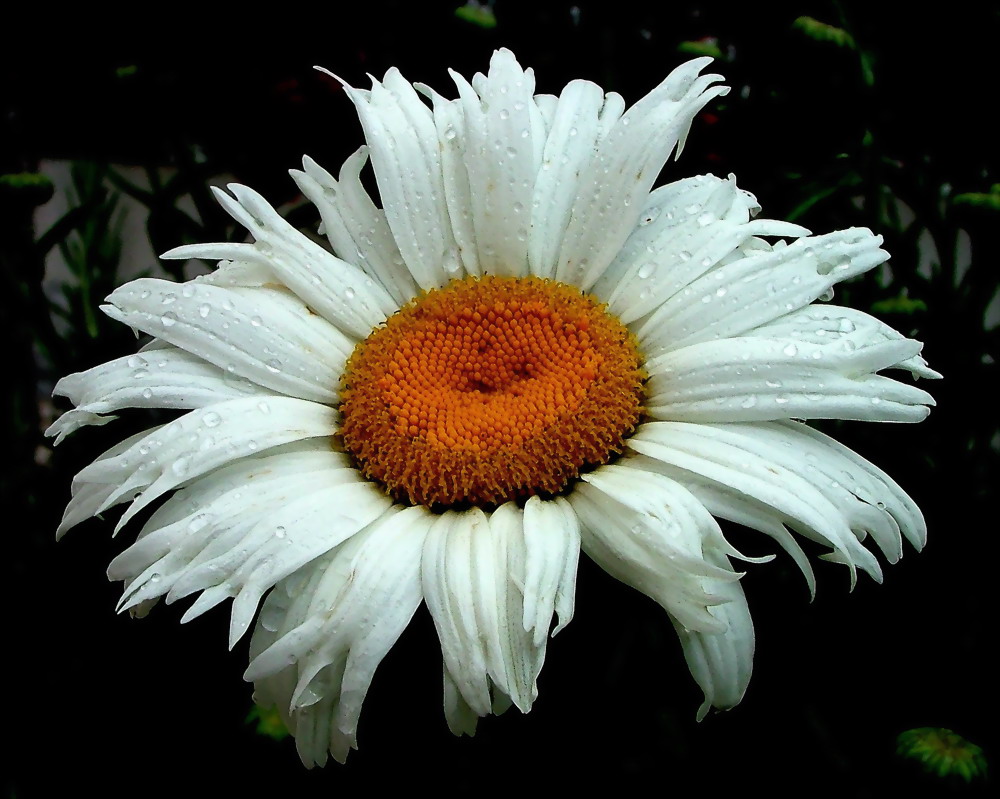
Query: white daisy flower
column 523, row 353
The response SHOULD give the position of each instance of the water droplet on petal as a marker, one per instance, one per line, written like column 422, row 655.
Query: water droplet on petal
column 790, row 350
column 204, row 310
column 273, row 365
column 211, row 419
column 646, row 270
column 169, row 319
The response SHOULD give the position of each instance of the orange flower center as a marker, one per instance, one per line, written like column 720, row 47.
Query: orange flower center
column 490, row 389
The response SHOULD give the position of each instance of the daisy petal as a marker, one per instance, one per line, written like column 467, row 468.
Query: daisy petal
column 759, row 379
column 503, row 133
column 614, row 183
column 552, row 550
column 748, row 292
column 264, row 335
column 721, row 663
column 448, row 580
column 369, row 590
column 356, row 228
column 573, row 134
column 650, row 533
column 686, row 229
column 400, row 131
column 193, row 445
column 357, row 304
column 172, row 379
column 846, row 329
column 733, row 467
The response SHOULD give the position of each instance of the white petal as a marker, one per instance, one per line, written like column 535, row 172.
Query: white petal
column 613, row 185
column 650, row 533
column 846, row 329
column 552, row 544
column 164, row 378
column 356, row 228
column 193, row 445
column 685, row 230
column 734, row 468
column 400, row 131
column 211, row 517
column 501, row 146
column 759, row 379
column 265, row 335
column 722, row 662
column 450, row 127
column 759, row 288
column 368, row 593
column 449, row 576
column 572, row 137
column 335, row 289
column 88, row 496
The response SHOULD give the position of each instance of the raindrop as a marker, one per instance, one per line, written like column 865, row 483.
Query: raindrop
column 772, row 383
column 263, row 407
column 169, row 298
column 749, row 401
column 449, row 133
column 504, row 113
column 211, row 419
column 169, row 319
column 273, row 365
column 705, row 219
column 720, row 292
column 204, row 310
column 138, row 374
column 790, row 350
column 781, row 399
column 693, row 208
column 684, row 255
column 255, row 321
column 511, row 151
column 349, row 293
column 646, row 270
column 572, row 131
column 280, row 532
column 147, row 393
column 180, row 466
column 846, row 326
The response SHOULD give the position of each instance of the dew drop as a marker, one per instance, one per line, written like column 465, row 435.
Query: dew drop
column 147, row 393
column 504, row 113
column 646, row 270
column 449, row 133
column 273, row 365
column 790, row 350
column 169, row 319
column 263, row 407
column 204, row 310
column 169, row 299
column 280, row 532
column 211, row 419
column 749, row 401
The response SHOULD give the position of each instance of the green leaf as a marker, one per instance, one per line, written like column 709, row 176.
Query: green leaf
column 268, row 721
column 903, row 304
column 822, row 32
column 708, row 46
column 478, row 14
column 943, row 753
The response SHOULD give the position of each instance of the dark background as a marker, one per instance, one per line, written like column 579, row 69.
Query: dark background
column 829, row 134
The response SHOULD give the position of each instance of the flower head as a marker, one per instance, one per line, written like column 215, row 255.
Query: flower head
column 525, row 352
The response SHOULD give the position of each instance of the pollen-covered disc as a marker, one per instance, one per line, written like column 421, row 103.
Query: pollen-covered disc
column 490, row 389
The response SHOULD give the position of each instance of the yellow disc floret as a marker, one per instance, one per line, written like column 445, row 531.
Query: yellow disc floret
column 490, row 389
